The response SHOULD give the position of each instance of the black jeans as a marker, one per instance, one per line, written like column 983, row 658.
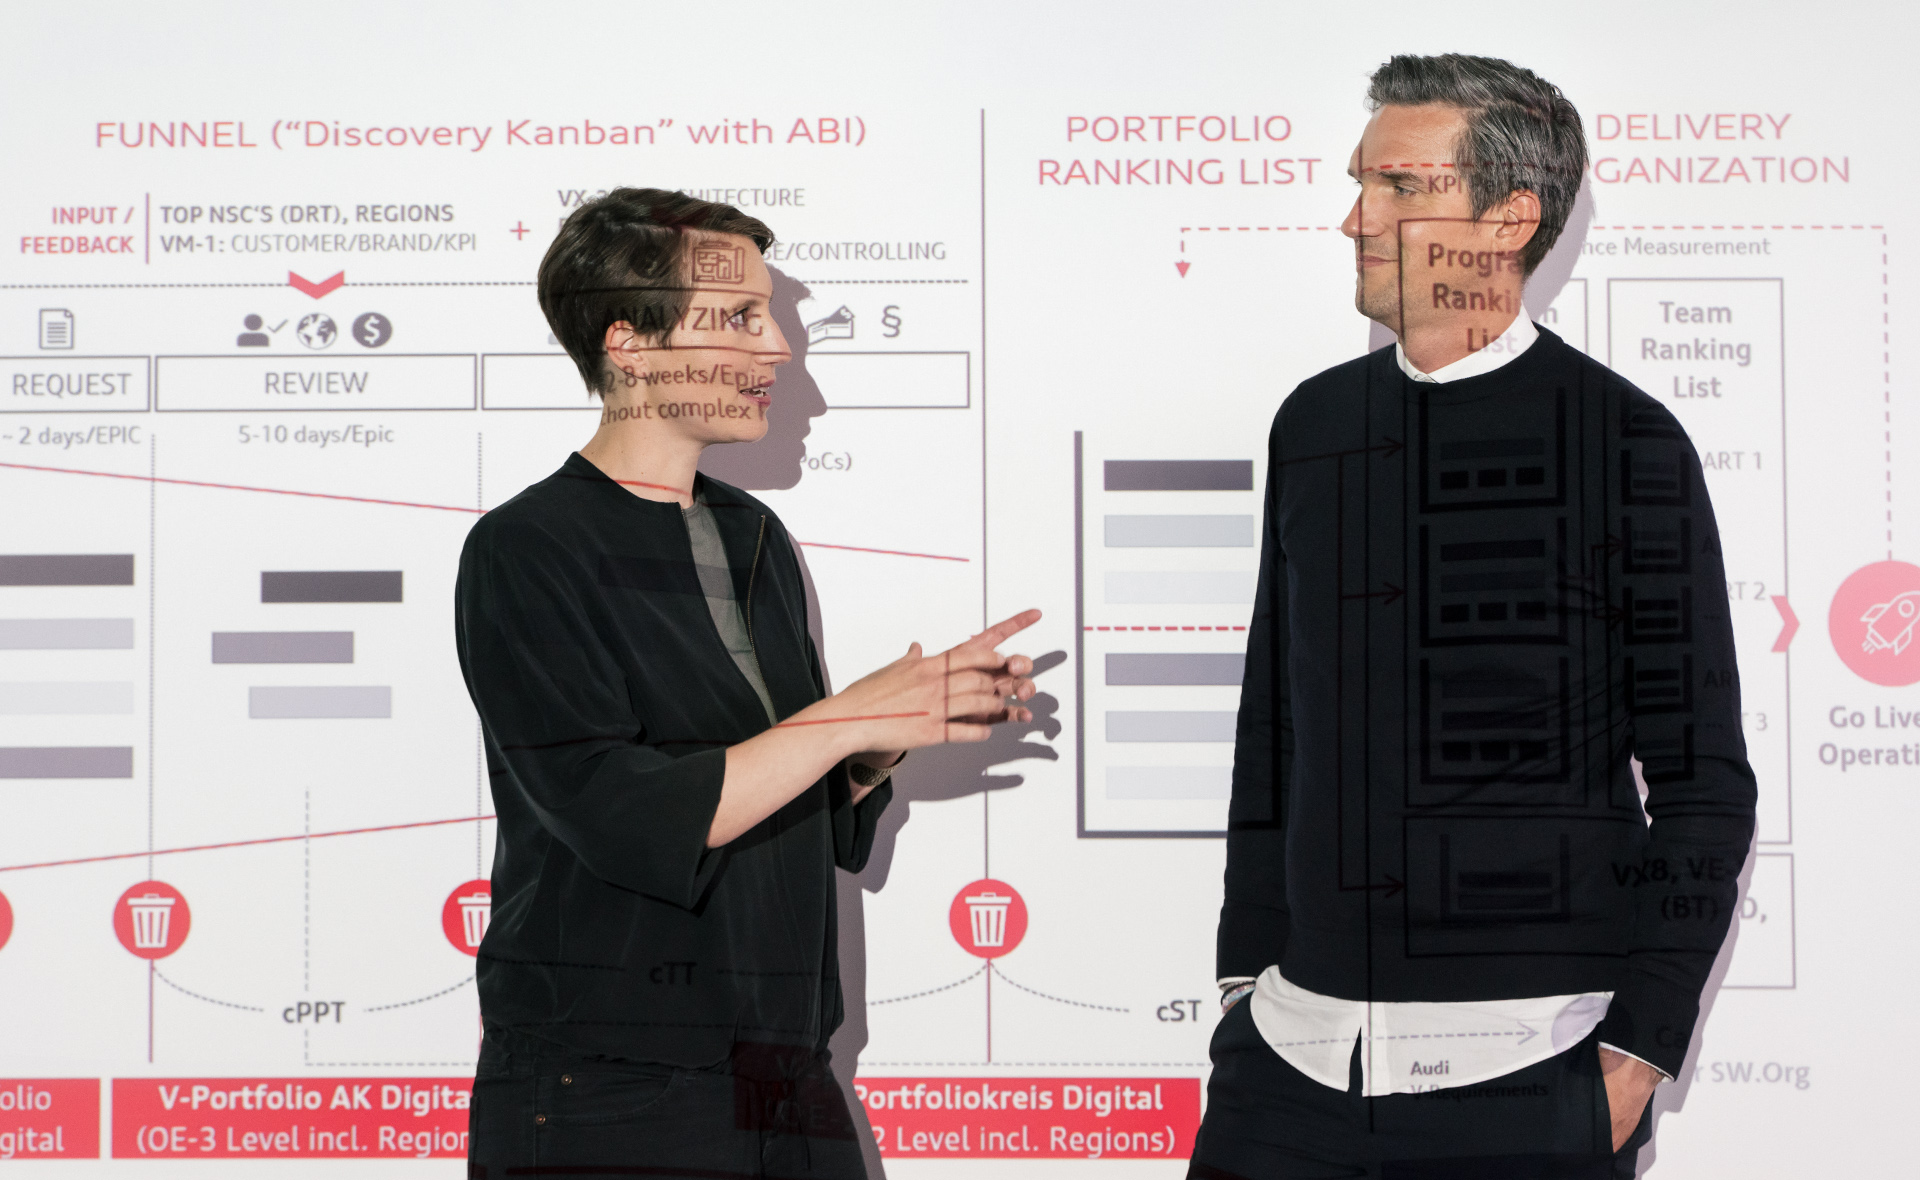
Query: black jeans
column 770, row 1111
column 1266, row 1120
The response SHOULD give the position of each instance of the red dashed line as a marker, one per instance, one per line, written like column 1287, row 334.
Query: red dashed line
column 1166, row 628
column 1723, row 227
column 1886, row 391
column 1227, row 229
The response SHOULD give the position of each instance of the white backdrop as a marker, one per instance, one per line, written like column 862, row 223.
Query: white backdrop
column 1019, row 241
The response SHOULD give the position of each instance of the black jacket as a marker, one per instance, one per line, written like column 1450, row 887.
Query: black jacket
column 1477, row 602
column 607, row 700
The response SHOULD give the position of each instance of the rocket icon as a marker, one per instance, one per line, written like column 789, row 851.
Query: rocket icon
column 1902, row 612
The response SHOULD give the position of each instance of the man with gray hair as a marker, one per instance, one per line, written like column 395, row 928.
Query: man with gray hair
column 1455, row 942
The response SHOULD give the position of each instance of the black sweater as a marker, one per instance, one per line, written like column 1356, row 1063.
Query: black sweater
column 607, row 700
column 1477, row 601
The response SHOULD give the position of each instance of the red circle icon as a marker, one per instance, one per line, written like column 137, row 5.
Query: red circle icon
column 988, row 918
column 6, row 921
column 152, row 919
column 1873, row 623
column 465, row 915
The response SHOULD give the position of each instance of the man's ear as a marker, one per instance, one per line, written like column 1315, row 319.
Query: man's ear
column 1519, row 220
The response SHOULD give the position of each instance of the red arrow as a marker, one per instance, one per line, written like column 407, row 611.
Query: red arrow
column 1183, row 268
column 320, row 289
column 1790, row 623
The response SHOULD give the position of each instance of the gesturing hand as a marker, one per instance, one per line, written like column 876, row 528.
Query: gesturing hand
column 957, row 695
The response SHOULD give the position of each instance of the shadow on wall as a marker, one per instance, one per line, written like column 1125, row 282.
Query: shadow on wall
column 1671, row 1097
column 1548, row 279
column 931, row 775
column 776, row 460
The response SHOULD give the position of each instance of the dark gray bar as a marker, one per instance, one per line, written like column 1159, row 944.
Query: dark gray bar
column 1179, row 475
column 283, row 647
column 1176, row 668
column 1179, row 532
column 64, row 634
column 316, row 701
column 1170, row 726
column 1169, row 782
column 330, row 586
column 66, row 569
column 66, row 761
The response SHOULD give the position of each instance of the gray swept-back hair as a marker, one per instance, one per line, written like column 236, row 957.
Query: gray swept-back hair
column 1522, row 133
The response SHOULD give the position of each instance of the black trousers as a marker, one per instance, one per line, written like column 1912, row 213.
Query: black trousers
column 770, row 1112
column 1266, row 1120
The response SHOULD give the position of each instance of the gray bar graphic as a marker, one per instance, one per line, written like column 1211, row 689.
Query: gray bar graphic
column 46, row 698
column 64, row 634
column 1176, row 668
column 1169, row 782
column 1179, row 532
column 1180, row 586
column 283, row 647
column 330, row 700
column 330, row 586
column 66, row 569
column 1179, row 475
column 1169, row 726
column 66, row 761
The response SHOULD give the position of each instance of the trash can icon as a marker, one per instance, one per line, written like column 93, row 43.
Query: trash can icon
column 989, row 913
column 476, row 910
column 152, row 914
column 987, row 918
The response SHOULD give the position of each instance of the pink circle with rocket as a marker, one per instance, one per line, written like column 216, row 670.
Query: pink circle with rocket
column 1875, row 623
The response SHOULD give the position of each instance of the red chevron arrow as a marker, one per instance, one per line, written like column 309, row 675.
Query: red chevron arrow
column 1790, row 623
column 1183, row 268
column 320, row 289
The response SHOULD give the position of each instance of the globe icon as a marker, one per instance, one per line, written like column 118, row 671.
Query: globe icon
column 316, row 330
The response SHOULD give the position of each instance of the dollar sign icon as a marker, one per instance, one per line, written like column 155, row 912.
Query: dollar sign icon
column 890, row 318
column 372, row 329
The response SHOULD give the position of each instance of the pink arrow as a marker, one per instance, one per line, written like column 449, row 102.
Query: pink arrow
column 320, row 289
column 1789, row 622
column 1183, row 268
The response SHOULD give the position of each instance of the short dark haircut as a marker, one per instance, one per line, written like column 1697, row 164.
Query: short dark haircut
column 1522, row 133
column 624, row 257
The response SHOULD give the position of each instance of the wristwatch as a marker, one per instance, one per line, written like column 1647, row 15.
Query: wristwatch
column 871, row 776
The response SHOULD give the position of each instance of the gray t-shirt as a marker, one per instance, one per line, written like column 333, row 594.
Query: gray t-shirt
column 716, row 581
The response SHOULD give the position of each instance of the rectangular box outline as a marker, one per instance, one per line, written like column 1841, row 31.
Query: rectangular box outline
column 154, row 386
column 1080, row 829
column 147, row 404
column 1786, row 501
column 1793, row 931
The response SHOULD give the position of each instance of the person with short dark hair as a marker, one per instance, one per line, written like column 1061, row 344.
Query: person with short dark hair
column 1454, row 942
column 673, row 784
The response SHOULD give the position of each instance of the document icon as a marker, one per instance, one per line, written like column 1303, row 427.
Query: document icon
column 56, row 327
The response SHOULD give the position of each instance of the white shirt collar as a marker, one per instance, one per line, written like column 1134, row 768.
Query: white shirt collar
column 1518, row 337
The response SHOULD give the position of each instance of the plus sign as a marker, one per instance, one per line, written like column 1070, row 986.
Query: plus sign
column 519, row 232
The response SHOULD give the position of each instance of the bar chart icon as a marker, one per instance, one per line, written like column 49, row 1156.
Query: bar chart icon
column 1166, row 564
